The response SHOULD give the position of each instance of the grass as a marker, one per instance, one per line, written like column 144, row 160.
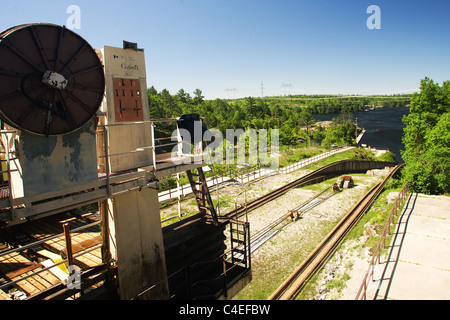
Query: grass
column 268, row 274
column 290, row 155
column 338, row 282
column 270, row 271
column 377, row 217
column 288, row 249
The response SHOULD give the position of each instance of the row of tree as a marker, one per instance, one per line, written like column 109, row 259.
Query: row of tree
column 427, row 139
column 426, row 136
column 292, row 115
column 320, row 104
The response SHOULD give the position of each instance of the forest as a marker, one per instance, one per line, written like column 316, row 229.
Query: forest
column 426, row 136
column 291, row 114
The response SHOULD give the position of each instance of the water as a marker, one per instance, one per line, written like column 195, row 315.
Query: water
column 384, row 128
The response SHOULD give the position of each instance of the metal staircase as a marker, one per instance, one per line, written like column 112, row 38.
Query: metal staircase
column 202, row 195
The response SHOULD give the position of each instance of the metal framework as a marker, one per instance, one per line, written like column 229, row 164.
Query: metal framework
column 108, row 185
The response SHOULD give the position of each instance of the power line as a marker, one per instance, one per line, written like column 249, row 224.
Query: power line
column 228, row 90
column 349, row 97
column 286, row 86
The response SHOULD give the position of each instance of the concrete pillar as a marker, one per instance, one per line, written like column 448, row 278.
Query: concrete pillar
column 136, row 242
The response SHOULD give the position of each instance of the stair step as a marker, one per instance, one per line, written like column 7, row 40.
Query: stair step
column 238, row 252
column 238, row 241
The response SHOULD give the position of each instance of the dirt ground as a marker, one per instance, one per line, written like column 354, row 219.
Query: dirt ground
column 277, row 258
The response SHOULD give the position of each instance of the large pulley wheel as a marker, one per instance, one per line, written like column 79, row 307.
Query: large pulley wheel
column 51, row 79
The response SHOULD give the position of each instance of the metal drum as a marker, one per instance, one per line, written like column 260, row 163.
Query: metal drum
column 51, row 80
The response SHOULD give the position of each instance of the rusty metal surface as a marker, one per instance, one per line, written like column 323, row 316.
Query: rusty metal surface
column 127, row 100
column 51, row 80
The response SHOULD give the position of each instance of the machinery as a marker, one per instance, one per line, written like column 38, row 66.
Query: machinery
column 75, row 131
column 345, row 182
column 52, row 81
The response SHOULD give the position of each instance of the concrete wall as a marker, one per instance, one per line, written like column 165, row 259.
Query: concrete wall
column 136, row 243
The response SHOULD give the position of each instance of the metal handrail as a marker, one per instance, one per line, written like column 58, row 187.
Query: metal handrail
column 153, row 147
column 35, row 243
column 398, row 204
column 21, row 248
column 51, row 266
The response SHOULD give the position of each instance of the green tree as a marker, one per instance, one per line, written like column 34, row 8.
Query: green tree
column 154, row 104
column 427, row 139
column 198, row 98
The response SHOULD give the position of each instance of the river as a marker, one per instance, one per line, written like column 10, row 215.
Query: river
column 384, row 128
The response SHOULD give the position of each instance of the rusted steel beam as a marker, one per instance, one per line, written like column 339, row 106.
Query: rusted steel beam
column 68, row 238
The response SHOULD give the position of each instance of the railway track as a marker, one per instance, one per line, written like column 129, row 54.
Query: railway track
column 290, row 288
column 292, row 215
column 323, row 173
column 307, row 179
column 265, row 234
column 26, row 270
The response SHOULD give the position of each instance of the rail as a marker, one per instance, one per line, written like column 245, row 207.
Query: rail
column 6, row 157
column 154, row 146
column 332, row 169
column 245, row 177
column 292, row 215
column 296, row 281
column 398, row 205
column 111, row 179
column 311, row 160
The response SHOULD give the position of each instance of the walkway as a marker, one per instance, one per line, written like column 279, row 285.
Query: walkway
column 418, row 266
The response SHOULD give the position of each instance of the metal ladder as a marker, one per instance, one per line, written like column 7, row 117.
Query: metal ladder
column 202, row 195
column 240, row 243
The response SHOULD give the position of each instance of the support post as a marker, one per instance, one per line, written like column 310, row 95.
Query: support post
column 136, row 243
column 66, row 228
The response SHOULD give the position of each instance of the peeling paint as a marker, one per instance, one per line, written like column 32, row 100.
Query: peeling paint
column 56, row 162
column 34, row 146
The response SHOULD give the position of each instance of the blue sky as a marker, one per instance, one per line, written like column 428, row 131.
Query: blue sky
column 314, row 46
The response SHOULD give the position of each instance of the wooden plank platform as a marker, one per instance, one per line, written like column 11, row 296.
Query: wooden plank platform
column 15, row 265
column 84, row 239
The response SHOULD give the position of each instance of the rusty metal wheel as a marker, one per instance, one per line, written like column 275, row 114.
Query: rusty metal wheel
column 51, row 80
